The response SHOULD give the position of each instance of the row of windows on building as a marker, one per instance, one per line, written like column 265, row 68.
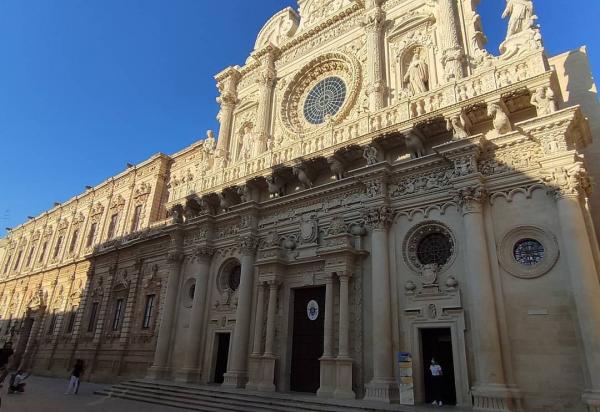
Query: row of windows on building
column 112, row 227
column 12, row 326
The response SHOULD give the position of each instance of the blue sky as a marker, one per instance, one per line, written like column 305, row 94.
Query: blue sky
column 89, row 85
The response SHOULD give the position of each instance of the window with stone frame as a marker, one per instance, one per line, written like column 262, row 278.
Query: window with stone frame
column 118, row 314
column 148, row 311
column 52, row 324
column 43, row 251
column 91, row 234
column 93, row 317
column 74, row 238
column 7, row 264
column 71, row 320
column 137, row 218
column 112, row 226
column 30, row 256
column 57, row 247
column 18, row 260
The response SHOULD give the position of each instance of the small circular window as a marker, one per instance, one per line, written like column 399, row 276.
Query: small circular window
column 234, row 277
column 529, row 252
column 325, row 99
column 435, row 248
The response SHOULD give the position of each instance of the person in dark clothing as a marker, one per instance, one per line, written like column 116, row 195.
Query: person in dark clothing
column 17, row 382
column 75, row 377
column 5, row 353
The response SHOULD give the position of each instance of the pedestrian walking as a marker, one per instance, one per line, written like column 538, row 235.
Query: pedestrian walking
column 437, row 376
column 75, row 377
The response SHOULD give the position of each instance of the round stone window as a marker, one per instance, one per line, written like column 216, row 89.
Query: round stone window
column 234, row 277
column 325, row 99
column 529, row 252
column 427, row 244
column 435, row 248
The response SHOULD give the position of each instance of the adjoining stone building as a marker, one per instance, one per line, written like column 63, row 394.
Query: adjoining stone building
column 382, row 188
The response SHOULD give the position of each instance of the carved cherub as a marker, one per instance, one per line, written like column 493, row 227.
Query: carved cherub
column 544, row 101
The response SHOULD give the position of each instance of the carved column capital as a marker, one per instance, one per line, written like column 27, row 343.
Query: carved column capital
column 175, row 257
column 378, row 218
column 204, row 252
column 564, row 182
column 470, row 199
column 248, row 245
column 374, row 20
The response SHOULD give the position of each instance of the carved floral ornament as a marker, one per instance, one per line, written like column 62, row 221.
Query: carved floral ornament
column 346, row 68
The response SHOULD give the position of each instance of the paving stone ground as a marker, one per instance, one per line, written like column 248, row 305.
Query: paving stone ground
column 47, row 395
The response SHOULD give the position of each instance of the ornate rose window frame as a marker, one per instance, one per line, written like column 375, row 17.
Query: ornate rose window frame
column 327, row 65
column 417, row 234
column 506, row 252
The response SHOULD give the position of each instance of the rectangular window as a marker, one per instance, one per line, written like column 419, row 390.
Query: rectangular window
column 52, row 323
column 74, row 239
column 43, row 252
column 93, row 314
column 18, row 260
column 7, row 264
column 91, row 235
column 30, row 256
column 112, row 227
column 148, row 311
column 137, row 217
column 57, row 247
column 71, row 323
column 118, row 312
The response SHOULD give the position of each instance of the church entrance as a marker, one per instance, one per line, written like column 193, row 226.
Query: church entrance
column 307, row 346
column 222, row 345
column 437, row 344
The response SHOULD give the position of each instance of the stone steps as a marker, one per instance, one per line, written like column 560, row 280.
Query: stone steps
column 217, row 399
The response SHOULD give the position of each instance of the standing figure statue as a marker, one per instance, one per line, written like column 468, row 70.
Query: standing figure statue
column 247, row 145
column 521, row 16
column 209, row 143
column 417, row 74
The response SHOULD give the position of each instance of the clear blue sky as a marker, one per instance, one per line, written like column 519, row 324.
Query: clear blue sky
column 89, row 85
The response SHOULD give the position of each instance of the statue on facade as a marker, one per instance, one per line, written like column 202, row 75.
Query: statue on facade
column 370, row 154
column 544, row 101
column 500, row 121
column 417, row 74
column 414, row 144
column 247, row 144
column 521, row 16
column 209, row 145
column 457, row 125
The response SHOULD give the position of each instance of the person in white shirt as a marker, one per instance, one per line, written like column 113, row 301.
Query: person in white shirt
column 436, row 380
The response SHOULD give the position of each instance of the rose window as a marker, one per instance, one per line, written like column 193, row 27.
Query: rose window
column 529, row 252
column 325, row 99
column 435, row 248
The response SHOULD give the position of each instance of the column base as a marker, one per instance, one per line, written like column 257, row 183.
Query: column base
column 158, row 373
column 343, row 381
column 254, row 372
column 327, row 377
column 188, row 375
column 382, row 390
column 235, row 379
column 496, row 398
column 261, row 373
column 591, row 400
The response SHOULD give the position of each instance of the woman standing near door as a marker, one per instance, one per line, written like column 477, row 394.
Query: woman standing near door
column 437, row 375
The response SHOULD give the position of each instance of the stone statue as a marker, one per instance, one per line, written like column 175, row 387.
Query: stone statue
column 414, row 144
column 244, row 193
column 337, row 167
column 276, row 186
column 544, row 101
column 370, row 154
column 521, row 16
column 302, row 176
column 417, row 74
column 501, row 121
column 224, row 203
column 209, row 143
column 247, row 145
column 457, row 125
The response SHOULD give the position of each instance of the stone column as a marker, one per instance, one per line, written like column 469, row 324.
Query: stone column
column 258, row 323
column 490, row 385
column 266, row 85
column 343, row 387
column 191, row 369
column 160, row 368
column 584, row 283
column 373, row 24
column 227, row 83
column 327, row 361
column 270, row 339
column 450, row 40
column 383, row 386
column 237, row 375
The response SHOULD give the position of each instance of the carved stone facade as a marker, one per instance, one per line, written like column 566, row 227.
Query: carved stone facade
column 372, row 153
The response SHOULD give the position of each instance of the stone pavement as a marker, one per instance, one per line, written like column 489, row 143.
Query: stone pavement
column 47, row 395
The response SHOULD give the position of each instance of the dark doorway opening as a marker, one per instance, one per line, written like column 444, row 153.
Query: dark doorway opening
column 22, row 342
column 222, row 356
column 437, row 344
column 307, row 346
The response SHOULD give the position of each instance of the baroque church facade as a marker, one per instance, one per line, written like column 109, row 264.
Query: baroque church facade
column 382, row 191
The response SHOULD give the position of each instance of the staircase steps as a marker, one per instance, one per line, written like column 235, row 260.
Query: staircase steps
column 218, row 399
